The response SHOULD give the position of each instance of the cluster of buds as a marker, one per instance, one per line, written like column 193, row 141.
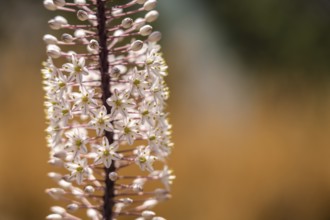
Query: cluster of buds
column 105, row 107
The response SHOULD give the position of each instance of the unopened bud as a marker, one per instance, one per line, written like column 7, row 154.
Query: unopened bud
column 82, row 15
column 60, row 154
column 80, row 33
column 126, row 201
column 67, row 38
column 127, row 22
column 56, row 193
column 151, row 16
column 94, row 44
column 54, row 53
column 89, row 189
column 137, row 188
column 139, row 22
column 54, row 217
column 79, row 2
column 57, row 22
column 115, row 71
column 148, row 214
column 149, row 5
column 49, row 4
column 145, row 30
column 72, row 207
column 113, row 176
column 59, row 3
column 155, row 36
column 50, row 39
column 58, row 210
column 92, row 213
column 55, row 176
column 158, row 218
column 137, row 45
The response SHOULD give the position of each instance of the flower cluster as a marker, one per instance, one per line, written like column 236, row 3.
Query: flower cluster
column 105, row 107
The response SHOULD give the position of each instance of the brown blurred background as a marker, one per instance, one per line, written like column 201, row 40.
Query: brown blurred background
column 250, row 105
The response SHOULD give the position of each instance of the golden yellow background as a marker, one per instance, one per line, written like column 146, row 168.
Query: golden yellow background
column 251, row 141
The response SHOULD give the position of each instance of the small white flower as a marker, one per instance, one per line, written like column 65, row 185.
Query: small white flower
column 63, row 113
column 165, row 175
column 144, row 159
column 84, row 100
column 101, row 121
column 120, row 103
column 106, row 153
column 138, row 83
column 76, row 68
column 79, row 169
column 128, row 131
column 77, row 142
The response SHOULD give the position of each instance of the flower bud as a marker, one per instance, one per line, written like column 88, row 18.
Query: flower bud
column 148, row 214
column 127, row 23
column 145, row 30
column 92, row 213
column 80, row 33
column 60, row 154
column 137, row 45
column 89, row 189
column 113, row 176
column 54, row 217
column 57, row 22
column 49, row 4
column 72, row 207
column 59, row 3
column 126, row 201
column 155, row 36
column 82, row 15
column 139, row 22
column 150, row 4
column 94, row 44
column 54, row 54
column 58, row 210
column 64, row 184
column 158, row 218
column 55, row 176
column 80, row 2
column 137, row 188
column 151, row 16
column 67, row 38
column 56, row 193
column 50, row 39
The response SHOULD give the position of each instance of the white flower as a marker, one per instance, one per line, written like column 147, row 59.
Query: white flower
column 101, row 121
column 148, row 113
column 77, row 142
column 84, row 100
column 138, row 83
column 76, row 68
column 165, row 175
column 79, row 169
column 120, row 103
column 144, row 159
column 106, row 153
column 127, row 131
column 63, row 112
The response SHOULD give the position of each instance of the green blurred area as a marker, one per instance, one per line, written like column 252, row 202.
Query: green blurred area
column 250, row 105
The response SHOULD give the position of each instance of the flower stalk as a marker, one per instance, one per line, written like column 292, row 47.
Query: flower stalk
column 105, row 107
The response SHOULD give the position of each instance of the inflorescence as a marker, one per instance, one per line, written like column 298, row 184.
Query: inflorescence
column 105, row 107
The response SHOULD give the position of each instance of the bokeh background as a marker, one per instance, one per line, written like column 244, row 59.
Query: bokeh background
column 250, row 105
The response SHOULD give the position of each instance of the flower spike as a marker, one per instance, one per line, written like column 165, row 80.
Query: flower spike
column 105, row 108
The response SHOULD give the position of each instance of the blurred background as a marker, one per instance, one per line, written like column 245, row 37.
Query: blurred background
column 250, row 105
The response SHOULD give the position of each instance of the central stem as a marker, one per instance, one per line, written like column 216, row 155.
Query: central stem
column 108, row 197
